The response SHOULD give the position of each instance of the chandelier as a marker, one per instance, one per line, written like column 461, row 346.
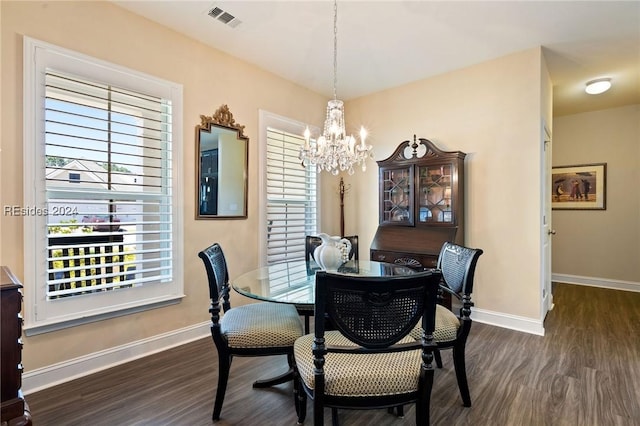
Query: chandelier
column 334, row 151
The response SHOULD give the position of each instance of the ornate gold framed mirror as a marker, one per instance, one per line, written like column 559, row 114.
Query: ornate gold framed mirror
column 222, row 167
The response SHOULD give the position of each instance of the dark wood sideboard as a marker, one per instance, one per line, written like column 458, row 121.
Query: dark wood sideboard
column 14, row 410
column 417, row 248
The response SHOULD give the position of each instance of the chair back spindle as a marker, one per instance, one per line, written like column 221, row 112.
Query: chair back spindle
column 217, row 274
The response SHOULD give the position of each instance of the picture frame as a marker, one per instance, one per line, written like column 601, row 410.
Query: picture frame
column 579, row 187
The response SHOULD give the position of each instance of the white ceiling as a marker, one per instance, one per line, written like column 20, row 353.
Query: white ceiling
column 383, row 44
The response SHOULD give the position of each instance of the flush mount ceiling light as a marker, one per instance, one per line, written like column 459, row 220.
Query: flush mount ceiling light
column 597, row 86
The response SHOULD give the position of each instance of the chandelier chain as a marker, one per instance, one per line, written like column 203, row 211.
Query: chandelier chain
column 334, row 150
column 335, row 49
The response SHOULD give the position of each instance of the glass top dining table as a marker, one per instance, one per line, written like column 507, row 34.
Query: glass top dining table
column 294, row 281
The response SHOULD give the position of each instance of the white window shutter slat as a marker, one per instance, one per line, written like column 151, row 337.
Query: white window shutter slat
column 107, row 187
column 291, row 197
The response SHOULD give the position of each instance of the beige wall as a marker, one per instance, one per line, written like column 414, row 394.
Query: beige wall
column 210, row 78
column 601, row 244
column 491, row 111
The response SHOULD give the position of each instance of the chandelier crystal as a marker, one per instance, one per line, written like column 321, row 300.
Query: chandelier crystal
column 334, row 151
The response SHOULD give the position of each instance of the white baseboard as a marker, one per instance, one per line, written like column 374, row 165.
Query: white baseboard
column 596, row 282
column 533, row 326
column 513, row 322
column 42, row 378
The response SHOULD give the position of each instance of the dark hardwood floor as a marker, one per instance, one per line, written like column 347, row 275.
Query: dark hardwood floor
column 585, row 371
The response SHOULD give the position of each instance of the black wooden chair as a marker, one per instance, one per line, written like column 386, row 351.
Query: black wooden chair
column 458, row 266
column 368, row 360
column 255, row 329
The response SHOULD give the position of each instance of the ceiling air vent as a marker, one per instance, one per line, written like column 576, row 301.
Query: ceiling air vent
column 224, row 17
column 215, row 12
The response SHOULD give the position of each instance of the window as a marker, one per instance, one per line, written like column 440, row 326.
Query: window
column 102, row 154
column 289, row 191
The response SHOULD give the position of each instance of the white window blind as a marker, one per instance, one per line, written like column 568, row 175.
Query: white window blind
column 291, row 194
column 112, row 227
column 102, row 167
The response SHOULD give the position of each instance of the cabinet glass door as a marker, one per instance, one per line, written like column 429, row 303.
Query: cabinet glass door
column 397, row 196
column 434, row 194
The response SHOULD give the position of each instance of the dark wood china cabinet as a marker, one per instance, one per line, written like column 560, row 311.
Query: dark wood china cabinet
column 14, row 410
column 421, row 204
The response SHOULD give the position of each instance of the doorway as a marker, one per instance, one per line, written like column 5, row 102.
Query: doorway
column 547, row 230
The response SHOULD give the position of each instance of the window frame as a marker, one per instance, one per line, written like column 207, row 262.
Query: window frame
column 268, row 119
column 42, row 315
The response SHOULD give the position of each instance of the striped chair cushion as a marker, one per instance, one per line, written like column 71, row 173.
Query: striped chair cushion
column 360, row 374
column 258, row 325
column 447, row 325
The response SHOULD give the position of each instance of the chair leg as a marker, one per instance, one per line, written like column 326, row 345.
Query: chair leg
column 334, row 417
column 461, row 374
column 302, row 406
column 223, row 378
column 424, row 398
column 398, row 410
column 291, row 361
column 296, row 394
column 318, row 412
column 438, row 358
column 299, row 397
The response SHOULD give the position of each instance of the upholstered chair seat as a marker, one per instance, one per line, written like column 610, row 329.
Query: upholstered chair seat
column 447, row 325
column 261, row 325
column 360, row 375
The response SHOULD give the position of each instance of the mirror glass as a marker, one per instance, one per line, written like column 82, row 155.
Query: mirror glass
column 223, row 157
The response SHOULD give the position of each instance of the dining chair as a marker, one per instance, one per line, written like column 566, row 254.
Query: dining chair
column 368, row 359
column 458, row 265
column 255, row 329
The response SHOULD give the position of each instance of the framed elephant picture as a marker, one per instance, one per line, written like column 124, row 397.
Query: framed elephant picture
column 580, row 187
